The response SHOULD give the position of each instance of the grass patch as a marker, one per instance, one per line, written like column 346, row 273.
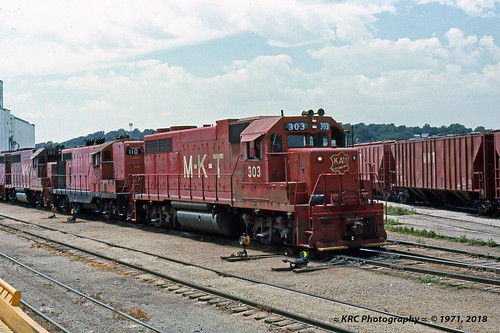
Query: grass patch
column 426, row 279
column 395, row 227
column 138, row 313
column 400, row 211
column 391, row 223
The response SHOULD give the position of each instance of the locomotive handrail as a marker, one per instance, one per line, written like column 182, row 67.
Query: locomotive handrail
column 151, row 189
column 286, row 154
column 232, row 175
column 310, row 206
column 372, row 173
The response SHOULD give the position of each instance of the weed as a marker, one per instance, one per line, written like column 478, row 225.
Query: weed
column 138, row 313
column 392, row 222
column 432, row 234
column 491, row 243
column 427, row 279
column 400, row 211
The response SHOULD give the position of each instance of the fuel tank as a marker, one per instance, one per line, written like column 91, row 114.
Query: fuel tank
column 22, row 197
column 220, row 223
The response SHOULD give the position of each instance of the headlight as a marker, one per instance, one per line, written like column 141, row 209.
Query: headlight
column 319, row 158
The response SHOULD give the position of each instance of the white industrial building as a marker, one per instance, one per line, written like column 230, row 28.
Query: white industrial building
column 15, row 133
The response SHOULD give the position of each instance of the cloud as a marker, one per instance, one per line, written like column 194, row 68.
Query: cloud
column 78, row 64
column 374, row 56
column 371, row 57
column 475, row 8
column 399, row 89
column 53, row 37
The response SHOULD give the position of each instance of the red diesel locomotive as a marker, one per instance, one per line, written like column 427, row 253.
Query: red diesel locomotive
column 286, row 180
column 281, row 179
column 24, row 175
column 97, row 178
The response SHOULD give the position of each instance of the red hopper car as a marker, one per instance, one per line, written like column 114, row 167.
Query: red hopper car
column 459, row 170
column 283, row 180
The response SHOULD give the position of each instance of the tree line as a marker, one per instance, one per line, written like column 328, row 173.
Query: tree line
column 383, row 132
column 97, row 138
column 362, row 134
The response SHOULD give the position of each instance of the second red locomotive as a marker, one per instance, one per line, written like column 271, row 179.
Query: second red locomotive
column 97, row 178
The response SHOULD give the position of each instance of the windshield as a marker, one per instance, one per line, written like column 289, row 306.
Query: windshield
column 303, row 140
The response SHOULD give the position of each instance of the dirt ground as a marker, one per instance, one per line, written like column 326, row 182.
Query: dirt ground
column 436, row 300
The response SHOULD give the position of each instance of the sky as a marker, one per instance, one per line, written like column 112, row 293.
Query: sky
column 76, row 67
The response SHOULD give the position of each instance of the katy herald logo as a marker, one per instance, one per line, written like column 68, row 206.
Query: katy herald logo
column 340, row 163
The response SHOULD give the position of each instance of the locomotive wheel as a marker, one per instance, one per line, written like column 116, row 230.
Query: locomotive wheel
column 65, row 205
column 39, row 200
column 108, row 210
column 157, row 223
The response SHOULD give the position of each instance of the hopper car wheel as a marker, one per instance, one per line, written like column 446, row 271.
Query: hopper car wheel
column 405, row 197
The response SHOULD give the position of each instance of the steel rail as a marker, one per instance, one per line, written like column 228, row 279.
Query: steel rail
column 488, row 281
column 459, row 220
column 433, row 260
column 424, row 323
column 446, row 249
column 193, row 285
column 45, row 317
column 109, row 307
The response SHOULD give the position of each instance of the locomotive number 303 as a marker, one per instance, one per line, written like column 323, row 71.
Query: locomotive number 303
column 254, row 171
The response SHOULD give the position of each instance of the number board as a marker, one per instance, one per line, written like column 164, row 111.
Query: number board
column 133, row 151
column 324, row 126
column 298, row 126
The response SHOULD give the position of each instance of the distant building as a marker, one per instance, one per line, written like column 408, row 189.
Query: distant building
column 15, row 133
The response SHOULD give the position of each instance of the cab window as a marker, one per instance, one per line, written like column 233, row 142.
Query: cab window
column 96, row 158
column 296, row 140
column 302, row 140
column 318, row 140
column 276, row 143
column 254, row 149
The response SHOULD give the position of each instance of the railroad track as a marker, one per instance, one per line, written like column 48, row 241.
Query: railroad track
column 74, row 291
column 408, row 261
column 445, row 249
column 279, row 316
column 461, row 264
column 497, row 227
column 485, row 221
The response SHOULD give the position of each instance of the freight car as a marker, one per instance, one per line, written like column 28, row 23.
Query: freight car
column 24, row 175
column 459, row 171
column 97, row 178
column 282, row 179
